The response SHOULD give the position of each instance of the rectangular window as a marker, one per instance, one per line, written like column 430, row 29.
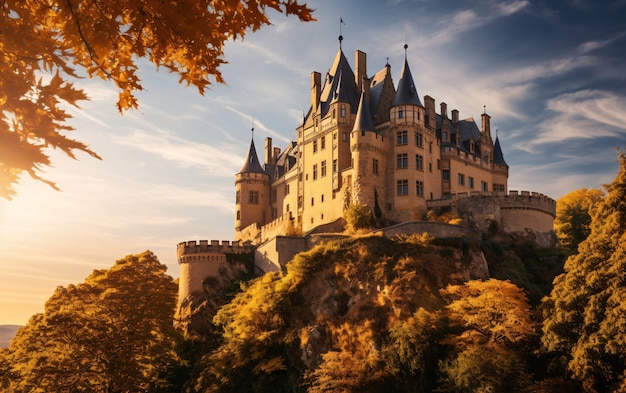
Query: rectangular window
column 375, row 166
column 445, row 136
column 315, row 146
column 484, row 186
column 342, row 111
column 461, row 179
column 401, row 137
column 498, row 187
column 335, row 165
column 402, row 187
column 419, row 139
column 238, row 196
column 402, row 160
column 430, row 147
column 323, row 168
column 419, row 188
column 286, row 189
column 315, row 172
column 470, row 182
column 253, row 198
column 419, row 162
column 344, row 136
column 438, row 164
column 445, row 175
column 323, row 143
column 400, row 114
column 430, row 167
column 312, row 201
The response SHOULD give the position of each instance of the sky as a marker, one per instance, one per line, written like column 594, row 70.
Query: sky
column 549, row 73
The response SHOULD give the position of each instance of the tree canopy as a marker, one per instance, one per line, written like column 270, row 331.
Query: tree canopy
column 45, row 44
column 573, row 215
column 585, row 315
column 112, row 333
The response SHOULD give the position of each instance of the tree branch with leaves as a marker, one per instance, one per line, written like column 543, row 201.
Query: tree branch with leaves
column 43, row 44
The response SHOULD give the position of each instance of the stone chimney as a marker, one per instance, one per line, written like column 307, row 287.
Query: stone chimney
column 360, row 59
column 455, row 116
column 316, row 89
column 269, row 156
column 444, row 110
column 486, row 128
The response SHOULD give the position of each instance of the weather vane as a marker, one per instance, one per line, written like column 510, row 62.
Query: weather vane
column 341, row 22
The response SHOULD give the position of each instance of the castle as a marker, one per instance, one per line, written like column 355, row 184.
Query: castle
column 363, row 141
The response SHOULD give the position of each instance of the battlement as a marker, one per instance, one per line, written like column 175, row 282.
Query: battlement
column 214, row 247
column 511, row 200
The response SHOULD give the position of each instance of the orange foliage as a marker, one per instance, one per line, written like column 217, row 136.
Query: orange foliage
column 105, row 38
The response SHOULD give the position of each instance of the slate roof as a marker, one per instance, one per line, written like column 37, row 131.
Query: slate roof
column 363, row 120
column 339, row 85
column 252, row 164
column 406, row 93
column 498, row 157
column 467, row 128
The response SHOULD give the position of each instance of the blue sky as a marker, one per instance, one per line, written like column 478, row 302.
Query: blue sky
column 550, row 73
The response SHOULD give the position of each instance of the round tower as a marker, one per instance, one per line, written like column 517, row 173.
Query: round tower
column 368, row 150
column 252, row 197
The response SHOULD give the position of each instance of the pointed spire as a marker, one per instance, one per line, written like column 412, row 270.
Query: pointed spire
column 252, row 164
column 406, row 93
column 363, row 120
column 498, row 157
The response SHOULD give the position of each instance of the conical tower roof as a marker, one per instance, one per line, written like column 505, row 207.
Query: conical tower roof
column 498, row 157
column 363, row 120
column 406, row 93
column 252, row 164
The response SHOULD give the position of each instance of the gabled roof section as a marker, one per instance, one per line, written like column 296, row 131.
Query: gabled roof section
column 252, row 164
column 498, row 157
column 363, row 120
column 339, row 85
column 406, row 93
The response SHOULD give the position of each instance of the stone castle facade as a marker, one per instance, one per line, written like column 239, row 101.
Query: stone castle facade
column 365, row 141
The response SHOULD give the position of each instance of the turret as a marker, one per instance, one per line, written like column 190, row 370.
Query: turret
column 369, row 158
column 252, row 202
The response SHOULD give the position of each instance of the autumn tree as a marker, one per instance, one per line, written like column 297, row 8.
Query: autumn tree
column 493, row 322
column 585, row 314
column 112, row 333
column 573, row 215
column 45, row 44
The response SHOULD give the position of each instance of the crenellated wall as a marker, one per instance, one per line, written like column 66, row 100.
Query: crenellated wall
column 198, row 260
column 514, row 211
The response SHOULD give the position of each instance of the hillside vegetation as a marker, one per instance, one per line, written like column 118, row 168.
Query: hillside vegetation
column 362, row 314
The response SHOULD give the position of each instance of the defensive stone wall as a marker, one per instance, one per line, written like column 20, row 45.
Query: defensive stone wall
column 273, row 255
column 198, row 260
column 437, row 229
column 515, row 211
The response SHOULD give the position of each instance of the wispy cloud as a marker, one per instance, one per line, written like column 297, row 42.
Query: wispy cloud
column 257, row 124
column 586, row 114
column 221, row 161
column 469, row 19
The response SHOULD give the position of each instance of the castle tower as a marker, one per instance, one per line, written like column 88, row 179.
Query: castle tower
column 415, row 148
column 369, row 152
column 252, row 197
